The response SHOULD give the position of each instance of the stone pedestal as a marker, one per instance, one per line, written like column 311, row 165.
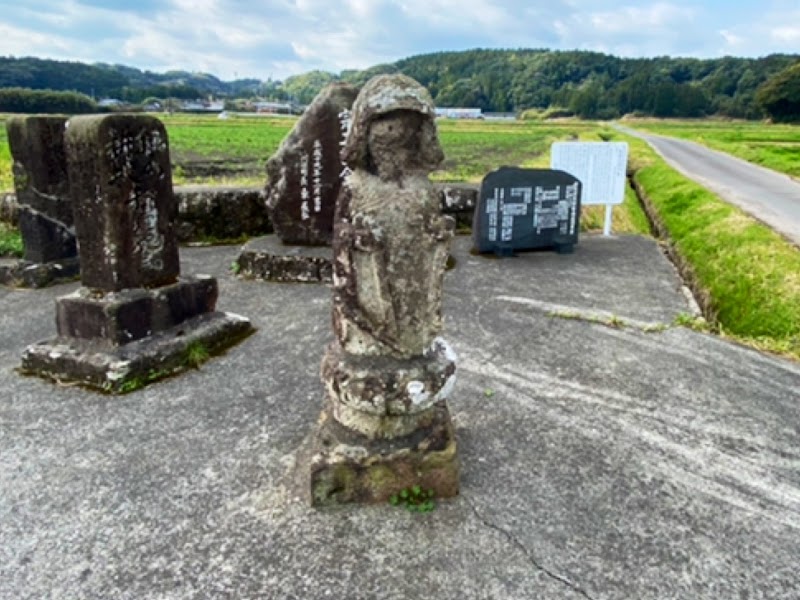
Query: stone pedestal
column 134, row 320
column 384, row 397
column 117, row 318
column 45, row 208
column 349, row 467
column 26, row 274
column 268, row 259
column 125, row 368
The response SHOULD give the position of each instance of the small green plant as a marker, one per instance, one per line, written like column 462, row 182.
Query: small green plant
column 691, row 322
column 196, row 355
column 414, row 499
column 615, row 322
column 10, row 241
column 236, row 267
column 488, row 392
column 138, row 381
column 131, row 385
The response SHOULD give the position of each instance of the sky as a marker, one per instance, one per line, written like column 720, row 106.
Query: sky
column 273, row 39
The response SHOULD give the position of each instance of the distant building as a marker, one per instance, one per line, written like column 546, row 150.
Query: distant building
column 459, row 113
column 110, row 102
column 273, row 107
column 202, row 106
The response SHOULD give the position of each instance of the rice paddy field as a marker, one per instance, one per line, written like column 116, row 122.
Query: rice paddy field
column 206, row 149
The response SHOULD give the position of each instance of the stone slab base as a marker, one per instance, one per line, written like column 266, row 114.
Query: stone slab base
column 346, row 467
column 128, row 367
column 267, row 258
column 128, row 315
column 26, row 274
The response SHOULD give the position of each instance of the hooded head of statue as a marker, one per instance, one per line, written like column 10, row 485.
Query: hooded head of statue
column 393, row 131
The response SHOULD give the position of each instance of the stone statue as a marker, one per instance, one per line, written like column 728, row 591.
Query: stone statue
column 388, row 373
column 390, row 241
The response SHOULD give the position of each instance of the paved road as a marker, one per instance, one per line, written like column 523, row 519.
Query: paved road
column 771, row 197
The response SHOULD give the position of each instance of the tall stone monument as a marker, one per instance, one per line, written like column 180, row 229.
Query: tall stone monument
column 305, row 174
column 386, row 426
column 134, row 319
column 45, row 209
column 304, row 177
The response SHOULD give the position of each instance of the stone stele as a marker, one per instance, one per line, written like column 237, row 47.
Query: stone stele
column 134, row 320
column 45, row 209
column 386, row 426
column 304, row 175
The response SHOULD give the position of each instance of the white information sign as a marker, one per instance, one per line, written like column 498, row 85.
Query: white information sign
column 601, row 168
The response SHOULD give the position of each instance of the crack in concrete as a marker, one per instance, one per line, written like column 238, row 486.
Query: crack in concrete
column 531, row 559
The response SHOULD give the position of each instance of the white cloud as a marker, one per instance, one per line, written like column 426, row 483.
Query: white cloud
column 655, row 18
column 278, row 38
column 787, row 34
column 17, row 41
column 768, row 31
column 731, row 39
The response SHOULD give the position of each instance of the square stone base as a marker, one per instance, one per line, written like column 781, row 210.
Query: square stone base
column 122, row 317
column 267, row 258
column 347, row 467
column 27, row 274
column 121, row 369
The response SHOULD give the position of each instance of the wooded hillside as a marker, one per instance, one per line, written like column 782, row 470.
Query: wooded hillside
column 588, row 84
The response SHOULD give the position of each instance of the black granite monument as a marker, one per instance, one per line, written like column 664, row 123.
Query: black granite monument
column 525, row 209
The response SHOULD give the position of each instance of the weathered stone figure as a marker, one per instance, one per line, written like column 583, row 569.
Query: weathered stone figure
column 388, row 374
column 45, row 209
column 135, row 317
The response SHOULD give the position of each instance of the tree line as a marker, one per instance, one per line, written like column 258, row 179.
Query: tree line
column 591, row 84
column 588, row 84
column 102, row 80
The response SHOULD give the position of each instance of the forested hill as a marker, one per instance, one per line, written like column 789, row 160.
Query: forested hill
column 589, row 84
column 114, row 81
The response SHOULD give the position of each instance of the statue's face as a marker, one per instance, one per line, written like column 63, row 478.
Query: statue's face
column 403, row 142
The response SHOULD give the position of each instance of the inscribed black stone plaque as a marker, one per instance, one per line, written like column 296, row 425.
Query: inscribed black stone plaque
column 121, row 187
column 525, row 209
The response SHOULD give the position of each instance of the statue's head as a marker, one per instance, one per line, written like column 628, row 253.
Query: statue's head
column 393, row 129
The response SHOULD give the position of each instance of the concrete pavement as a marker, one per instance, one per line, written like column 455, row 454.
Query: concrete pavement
column 599, row 462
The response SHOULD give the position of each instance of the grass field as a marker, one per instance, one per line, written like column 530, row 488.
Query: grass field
column 208, row 150
column 776, row 147
column 746, row 275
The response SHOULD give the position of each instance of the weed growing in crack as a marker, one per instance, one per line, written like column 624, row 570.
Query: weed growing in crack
column 691, row 322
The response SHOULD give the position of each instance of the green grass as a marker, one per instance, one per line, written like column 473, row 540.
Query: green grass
column 10, row 241
column 773, row 146
column 233, row 138
column 473, row 148
column 749, row 274
column 6, row 177
column 208, row 150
